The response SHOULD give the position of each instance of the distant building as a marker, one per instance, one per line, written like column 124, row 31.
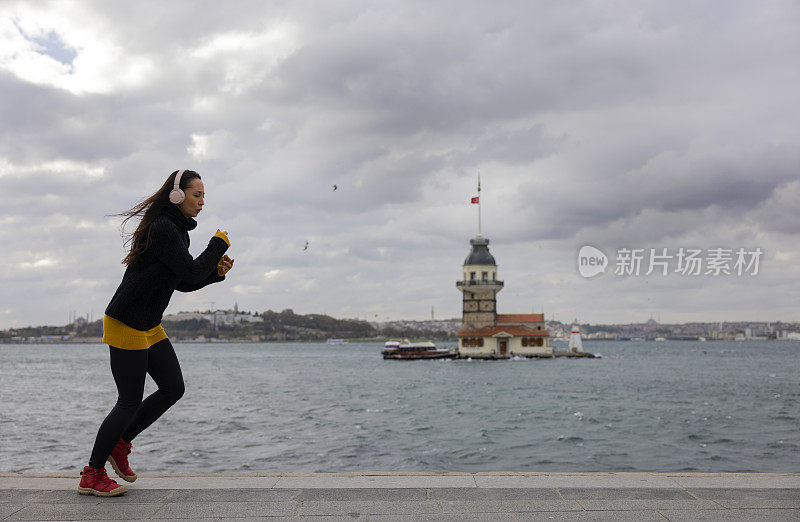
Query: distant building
column 485, row 334
column 185, row 316
column 217, row 317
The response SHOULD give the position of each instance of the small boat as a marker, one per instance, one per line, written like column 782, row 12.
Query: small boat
column 337, row 341
column 406, row 350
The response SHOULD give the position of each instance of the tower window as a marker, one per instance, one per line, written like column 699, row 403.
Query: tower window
column 485, row 276
column 494, row 276
column 472, row 276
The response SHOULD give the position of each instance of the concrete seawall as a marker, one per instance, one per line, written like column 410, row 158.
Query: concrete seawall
column 413, row 496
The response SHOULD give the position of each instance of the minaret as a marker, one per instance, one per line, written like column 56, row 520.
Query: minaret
column 479, row 284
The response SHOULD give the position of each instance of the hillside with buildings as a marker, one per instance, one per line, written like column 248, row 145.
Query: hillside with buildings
column 270, row 326
column 652, row 330
column 235, row 325
column 286, row 326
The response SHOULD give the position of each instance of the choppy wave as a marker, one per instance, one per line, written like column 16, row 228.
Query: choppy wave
column 310, row 407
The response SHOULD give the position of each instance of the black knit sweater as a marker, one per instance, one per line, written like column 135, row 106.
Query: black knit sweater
column 166, row 266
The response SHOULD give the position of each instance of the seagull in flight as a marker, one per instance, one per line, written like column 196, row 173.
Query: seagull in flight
column 335, row 187
column 305, row 247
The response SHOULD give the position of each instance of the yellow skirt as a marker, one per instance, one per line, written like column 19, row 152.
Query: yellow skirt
column 120, row 335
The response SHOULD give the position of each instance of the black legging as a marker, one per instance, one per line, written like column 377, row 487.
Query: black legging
column 130, row 416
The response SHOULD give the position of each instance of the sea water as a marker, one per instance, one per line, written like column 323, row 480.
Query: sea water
column 645, row 406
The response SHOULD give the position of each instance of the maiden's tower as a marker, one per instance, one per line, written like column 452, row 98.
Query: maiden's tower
column 484, row 333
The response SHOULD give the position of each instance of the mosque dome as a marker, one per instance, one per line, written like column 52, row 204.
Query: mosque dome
column 479, row 255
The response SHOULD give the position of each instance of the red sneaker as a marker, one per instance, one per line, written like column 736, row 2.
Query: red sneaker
column 96, row 482
column 119, row 461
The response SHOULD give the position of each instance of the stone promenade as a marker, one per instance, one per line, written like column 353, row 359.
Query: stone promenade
column 413, row 496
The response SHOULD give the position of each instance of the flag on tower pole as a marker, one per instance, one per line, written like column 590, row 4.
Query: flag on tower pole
column 478, row 201
column 475, row 200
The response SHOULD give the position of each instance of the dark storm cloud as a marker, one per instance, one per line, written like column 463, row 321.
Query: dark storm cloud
column 40, row 123
column 479, row 66
column 733, row 185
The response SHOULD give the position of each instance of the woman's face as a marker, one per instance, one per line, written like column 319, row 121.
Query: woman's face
column 193, row 203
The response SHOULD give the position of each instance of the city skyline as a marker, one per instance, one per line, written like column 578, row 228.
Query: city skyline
column 359, row 130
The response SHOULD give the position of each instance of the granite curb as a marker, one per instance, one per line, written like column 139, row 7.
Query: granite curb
column 412, row 496
column 380, row 479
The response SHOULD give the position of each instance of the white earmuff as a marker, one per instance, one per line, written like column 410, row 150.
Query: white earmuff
column 176, row 196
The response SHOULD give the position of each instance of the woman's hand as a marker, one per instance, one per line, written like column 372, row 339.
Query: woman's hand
column 224, row 265
column 223, row 236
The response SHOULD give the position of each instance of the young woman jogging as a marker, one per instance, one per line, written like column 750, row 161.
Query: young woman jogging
column 158, row 264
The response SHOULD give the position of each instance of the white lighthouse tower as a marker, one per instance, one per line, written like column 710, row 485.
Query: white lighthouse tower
column 575, row 343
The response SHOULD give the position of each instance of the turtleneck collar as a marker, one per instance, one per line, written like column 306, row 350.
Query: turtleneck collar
column 176, row 216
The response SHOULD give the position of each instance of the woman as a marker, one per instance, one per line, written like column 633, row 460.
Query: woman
column 157, row 264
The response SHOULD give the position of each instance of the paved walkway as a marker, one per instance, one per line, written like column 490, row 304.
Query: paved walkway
column 413, row 496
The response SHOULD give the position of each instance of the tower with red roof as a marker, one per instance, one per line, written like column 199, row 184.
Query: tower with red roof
column 485, row 333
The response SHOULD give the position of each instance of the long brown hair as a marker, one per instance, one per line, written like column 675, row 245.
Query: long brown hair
column 149, row 210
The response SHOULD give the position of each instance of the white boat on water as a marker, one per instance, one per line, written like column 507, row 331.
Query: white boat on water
column 337, row 341
column 397, row 349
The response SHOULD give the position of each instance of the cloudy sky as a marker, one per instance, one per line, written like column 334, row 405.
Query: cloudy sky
column 617, row 124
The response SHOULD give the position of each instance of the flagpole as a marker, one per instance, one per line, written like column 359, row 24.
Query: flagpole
column 479, row 204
